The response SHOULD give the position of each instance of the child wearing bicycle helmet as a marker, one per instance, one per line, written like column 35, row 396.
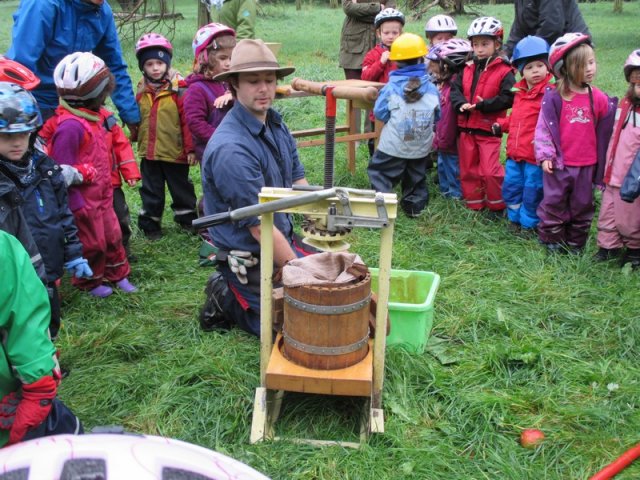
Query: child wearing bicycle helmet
column 77, row 138
column 440, row 28
column 39, row 181
column 481, row 95
column 408, row 105
column 165, row 145
column 207, row 101
column 376, row 65
column 619, row 219
column 571, row 139
column 522, row 187
column 447, row 59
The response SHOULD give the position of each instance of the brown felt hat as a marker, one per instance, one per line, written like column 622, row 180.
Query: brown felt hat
column 253, row 56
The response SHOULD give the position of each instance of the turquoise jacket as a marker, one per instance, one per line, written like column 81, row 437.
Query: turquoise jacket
column 45, row 31
column 27, row 351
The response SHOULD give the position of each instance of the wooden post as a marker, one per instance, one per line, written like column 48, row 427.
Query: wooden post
column 266, row 289
column 203, row 15
column 380, row 339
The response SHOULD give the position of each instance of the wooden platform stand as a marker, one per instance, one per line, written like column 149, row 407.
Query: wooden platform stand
column 277, row 374
column 359, row 95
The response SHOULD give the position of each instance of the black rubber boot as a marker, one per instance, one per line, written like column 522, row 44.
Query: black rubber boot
column 606, row 254
column 632, row 256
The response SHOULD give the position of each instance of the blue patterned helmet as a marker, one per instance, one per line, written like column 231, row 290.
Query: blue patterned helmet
column 19, row 111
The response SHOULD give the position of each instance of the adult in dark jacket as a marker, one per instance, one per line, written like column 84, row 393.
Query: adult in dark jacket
column 548, row 19
column 44, row 32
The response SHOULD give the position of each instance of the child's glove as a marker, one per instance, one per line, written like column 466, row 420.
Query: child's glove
column 79, row 267
column 71, row 175
column 34, row 407
column 87, row 171
column 239, row 261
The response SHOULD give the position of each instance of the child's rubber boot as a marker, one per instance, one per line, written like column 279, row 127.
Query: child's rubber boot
column 632, row 256
column 126, row 286
column 101, row 291
column 606, row 254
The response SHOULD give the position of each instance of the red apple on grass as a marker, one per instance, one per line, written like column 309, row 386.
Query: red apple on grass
column 531, row 438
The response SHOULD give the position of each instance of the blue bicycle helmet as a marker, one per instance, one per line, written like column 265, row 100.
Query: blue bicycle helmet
column 528, row 49
column 19, row 111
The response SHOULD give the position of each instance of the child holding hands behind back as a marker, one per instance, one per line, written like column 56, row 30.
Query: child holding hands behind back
column 522, row 187
column 164, row 141
column 571, row 139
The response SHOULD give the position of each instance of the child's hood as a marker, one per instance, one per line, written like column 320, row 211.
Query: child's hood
column 176, row 81
column 399, row 77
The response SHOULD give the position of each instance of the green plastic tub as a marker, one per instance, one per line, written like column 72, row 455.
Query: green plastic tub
column 411, row 299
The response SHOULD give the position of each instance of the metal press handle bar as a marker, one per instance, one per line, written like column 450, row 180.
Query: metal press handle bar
column 260, row 208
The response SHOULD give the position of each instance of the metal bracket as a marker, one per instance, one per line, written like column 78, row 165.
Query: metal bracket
column 348, row 220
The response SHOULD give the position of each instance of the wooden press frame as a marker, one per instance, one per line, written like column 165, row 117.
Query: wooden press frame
column 268, row 401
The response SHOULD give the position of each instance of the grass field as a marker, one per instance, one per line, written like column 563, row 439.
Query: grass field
column 531, row 341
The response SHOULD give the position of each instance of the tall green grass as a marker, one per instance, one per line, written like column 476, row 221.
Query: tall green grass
column 533, row 340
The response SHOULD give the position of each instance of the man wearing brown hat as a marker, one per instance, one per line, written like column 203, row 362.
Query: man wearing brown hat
column 251, row 148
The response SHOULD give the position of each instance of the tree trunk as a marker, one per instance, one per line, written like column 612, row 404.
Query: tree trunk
column 617, row 6
column 459, row 6
column 127, row 5
column 203, row 15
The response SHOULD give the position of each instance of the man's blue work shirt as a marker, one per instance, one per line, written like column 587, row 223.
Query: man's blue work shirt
column 242, row 156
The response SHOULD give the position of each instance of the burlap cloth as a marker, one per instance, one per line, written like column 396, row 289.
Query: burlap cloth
column 324, row 269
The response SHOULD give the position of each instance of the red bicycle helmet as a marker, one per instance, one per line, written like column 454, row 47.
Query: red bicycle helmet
column 17, row 73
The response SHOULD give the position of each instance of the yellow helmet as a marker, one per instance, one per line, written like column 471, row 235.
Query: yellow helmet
column 408, row 46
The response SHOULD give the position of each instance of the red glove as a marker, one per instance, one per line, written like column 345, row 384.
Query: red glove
column 34, row 407
column 87, row 171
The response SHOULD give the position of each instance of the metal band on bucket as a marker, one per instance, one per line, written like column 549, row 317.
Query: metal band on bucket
column 327, row 309
column 327, row 351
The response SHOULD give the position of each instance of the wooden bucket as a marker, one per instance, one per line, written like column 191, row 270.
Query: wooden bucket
column 327, row 327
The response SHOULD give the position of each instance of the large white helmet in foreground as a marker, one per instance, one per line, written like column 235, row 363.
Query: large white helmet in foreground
column 121, row 457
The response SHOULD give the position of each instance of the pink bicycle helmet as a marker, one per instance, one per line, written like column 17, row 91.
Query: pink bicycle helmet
column 440, row 24
column 454, row 52
column 632, row 62
column 153, row 40
column 486, row 26
column 562, row 46
column 205, row 36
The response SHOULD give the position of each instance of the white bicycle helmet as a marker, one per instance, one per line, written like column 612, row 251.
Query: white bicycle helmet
column 486, row 26
column 80, row 76
column 440, row 24
column 387, row 15
column 119, row 456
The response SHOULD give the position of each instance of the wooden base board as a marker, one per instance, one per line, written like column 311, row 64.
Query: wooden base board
column 283, row 374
